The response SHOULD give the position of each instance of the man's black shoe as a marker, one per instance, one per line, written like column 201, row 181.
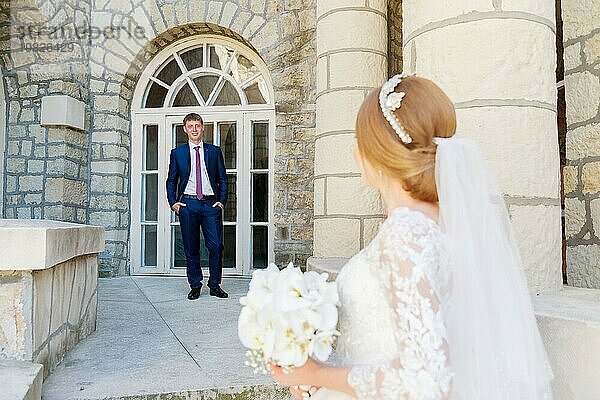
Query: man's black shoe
column 194, row 293
column 218, row 292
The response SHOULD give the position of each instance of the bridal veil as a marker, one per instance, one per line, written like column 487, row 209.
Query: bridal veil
column 495, row 347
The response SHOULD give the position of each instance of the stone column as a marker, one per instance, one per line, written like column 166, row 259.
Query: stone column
column 351, row 60
column 496, row 59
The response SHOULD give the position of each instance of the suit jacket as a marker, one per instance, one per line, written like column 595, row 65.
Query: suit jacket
column 180, row 167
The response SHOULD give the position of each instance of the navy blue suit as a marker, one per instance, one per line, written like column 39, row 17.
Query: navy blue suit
column 199, row 214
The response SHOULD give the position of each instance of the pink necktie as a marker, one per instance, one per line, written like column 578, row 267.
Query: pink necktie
column 198, row 174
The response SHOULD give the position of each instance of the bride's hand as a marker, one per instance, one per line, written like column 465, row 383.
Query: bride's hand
column 296, row 392
column 303, row 392
column 304, row 375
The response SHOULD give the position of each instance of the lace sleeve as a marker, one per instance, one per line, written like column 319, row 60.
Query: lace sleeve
column 421, row 370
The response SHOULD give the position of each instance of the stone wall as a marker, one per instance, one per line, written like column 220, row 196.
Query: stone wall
column 66, row 174
column 4, row 44
column 46, row 174
column 582, row 171
column 496, row 60
column 48, row 288
column 282, row 34
column 63, row 306
column 394, row 15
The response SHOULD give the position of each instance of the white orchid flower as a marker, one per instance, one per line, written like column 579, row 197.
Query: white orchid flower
column 315, row 285
column 319, row 290
column 288, row 316
column 261, row 287
column 290, row 353
column 253, row 327
column 304, row 324
column 290, row 290
column 322, row 345
column 329, row 316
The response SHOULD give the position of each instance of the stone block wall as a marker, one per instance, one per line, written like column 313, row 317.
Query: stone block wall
column 64, row 311
column 48, row 288
column 282, row 34
column 394, row 14
column 46, row 173
column 496, row 60
column 581, row 175
column 65, row 174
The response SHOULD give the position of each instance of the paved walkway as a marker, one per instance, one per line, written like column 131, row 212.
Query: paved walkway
column 151, row 340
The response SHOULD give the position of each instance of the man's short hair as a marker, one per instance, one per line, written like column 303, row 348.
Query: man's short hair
column 192, row 117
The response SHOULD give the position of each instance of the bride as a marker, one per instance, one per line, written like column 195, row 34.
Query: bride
column 436, row 306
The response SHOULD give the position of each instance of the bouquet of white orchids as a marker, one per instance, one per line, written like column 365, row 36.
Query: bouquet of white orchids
column 287, row 317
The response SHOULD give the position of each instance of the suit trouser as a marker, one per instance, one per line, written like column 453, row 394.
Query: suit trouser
column 200, row 215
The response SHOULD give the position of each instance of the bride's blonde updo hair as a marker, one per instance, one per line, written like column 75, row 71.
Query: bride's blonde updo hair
column 426, row 112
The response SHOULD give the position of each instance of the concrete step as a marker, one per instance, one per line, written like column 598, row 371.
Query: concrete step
column 151, row 342
column 259, row 392
column 331, row 265
column 569, row 322
column 20, row 380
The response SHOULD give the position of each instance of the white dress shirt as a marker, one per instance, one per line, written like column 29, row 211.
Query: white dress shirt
column 207, row 190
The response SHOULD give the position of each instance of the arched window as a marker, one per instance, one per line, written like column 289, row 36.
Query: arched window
column 228, row 84
column 207, row 75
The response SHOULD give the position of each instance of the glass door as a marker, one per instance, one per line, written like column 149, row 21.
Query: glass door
column 229, row 85
column 259, row 183
column 222, row 131
column 246, row 141
column 149, row 207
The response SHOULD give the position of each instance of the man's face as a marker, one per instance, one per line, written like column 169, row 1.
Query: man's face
column 194, row 131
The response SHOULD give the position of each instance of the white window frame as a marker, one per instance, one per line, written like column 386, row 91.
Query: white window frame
column 159, row 61
column 164, row 117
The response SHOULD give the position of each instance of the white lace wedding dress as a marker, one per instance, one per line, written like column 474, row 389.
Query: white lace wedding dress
column 392, row 297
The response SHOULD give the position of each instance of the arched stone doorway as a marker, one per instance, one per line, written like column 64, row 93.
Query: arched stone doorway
column 229, row 85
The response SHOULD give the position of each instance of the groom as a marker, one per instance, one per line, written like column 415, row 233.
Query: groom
column 197, row 192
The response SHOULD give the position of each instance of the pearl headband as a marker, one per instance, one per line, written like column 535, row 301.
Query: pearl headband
column 390, row 101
